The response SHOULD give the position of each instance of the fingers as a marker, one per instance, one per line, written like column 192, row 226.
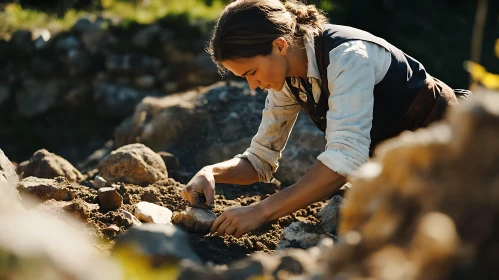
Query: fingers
column 209, row 194
column 194, row 198
column 221, row 229
column 222, row 226
column 218, row 221
column 231, row 230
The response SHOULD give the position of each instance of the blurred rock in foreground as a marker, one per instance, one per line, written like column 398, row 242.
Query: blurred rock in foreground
column 427, row 206
column 42, row 247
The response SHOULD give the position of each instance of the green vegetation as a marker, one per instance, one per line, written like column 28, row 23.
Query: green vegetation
column 14, row 17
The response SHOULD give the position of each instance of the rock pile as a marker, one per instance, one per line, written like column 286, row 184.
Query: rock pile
column 95, row 62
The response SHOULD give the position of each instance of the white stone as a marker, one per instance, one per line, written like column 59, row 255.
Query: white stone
column 99, row 182
column 152, row 213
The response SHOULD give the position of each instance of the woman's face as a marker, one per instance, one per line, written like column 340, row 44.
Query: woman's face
column 265, row 72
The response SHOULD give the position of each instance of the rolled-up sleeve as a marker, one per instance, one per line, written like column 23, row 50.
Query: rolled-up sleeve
column 278, row 119
column 351, row 80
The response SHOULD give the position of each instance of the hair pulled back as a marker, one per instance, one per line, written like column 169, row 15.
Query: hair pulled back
column 247, row 28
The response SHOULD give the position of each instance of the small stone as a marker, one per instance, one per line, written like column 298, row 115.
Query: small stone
column 132, row 218
column 259, row 246
column 195, row 219
column 99, row 182
column 109, row 199
column 248, row 243
column 152, row 213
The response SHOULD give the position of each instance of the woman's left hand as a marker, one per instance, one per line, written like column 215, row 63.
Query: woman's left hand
column 237, row 221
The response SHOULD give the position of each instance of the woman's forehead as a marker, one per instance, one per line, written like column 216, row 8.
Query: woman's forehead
column 241, row 65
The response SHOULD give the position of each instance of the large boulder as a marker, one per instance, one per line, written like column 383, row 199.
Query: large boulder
column 133, row 164
column 222, row 118
column 305, row 143
column 44, row 164
column 427, row 205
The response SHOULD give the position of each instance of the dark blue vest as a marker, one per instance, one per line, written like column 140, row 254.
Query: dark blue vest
column 393, row 96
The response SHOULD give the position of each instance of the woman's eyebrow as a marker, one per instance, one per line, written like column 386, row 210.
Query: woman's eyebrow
column 244, row 74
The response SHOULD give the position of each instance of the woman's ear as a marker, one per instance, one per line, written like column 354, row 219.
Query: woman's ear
column 281, row 44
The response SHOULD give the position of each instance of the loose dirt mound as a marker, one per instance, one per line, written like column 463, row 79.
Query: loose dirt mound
column 211, row 247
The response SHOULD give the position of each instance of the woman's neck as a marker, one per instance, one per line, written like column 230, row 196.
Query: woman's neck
column 297, row 62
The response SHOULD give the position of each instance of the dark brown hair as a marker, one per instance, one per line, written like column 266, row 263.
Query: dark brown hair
column 247, row 28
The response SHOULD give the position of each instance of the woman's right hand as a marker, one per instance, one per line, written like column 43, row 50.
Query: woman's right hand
column 200, row 191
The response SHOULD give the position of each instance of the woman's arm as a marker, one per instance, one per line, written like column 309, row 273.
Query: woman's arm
column 237, row 171
column 258, row 162
column 319, row 183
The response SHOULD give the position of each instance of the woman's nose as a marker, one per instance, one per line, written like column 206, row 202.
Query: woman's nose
column 253, row 83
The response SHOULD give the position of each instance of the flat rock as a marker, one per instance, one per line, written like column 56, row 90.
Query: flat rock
column 159, row 243
column 152, row 213
column 300, row 235
column 44, row 164
column 195, row 219
column 45, row 189
column 133, row 164
column 109, row 199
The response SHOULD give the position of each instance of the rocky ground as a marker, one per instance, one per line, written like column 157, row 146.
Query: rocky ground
column 425, row 207
column 106, row 207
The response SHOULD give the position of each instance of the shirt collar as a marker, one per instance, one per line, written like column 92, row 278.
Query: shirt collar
column 313, row 69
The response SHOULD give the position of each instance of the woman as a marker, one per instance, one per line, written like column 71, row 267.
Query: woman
column 356, row 87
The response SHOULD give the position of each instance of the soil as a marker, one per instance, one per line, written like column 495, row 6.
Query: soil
column 211, row 248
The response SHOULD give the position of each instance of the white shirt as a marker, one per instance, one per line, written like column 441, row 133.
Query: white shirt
column 354, row 68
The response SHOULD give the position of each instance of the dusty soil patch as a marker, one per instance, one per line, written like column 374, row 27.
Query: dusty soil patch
column 211, row 248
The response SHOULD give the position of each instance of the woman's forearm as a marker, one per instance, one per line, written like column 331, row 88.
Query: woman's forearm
column 319, row 183
column 234, row 171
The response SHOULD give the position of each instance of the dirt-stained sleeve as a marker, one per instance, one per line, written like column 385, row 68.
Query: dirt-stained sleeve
column 278, row 119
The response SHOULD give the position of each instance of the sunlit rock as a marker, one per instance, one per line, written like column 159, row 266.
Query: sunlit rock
column 152, row 213
column 45, row 189
column 195, row 219
column 44, row 164
column 134, row 164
